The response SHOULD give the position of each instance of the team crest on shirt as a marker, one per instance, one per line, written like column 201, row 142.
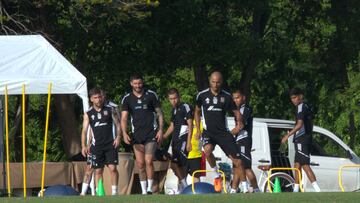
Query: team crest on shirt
column 207, row 100
column 106, row 113
column 215, row 100
column 99, row 115
column 145, row 106
column 93, row 117
column 139, row 101
column 222, row 99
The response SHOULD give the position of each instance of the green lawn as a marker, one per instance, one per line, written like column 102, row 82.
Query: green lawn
column 215, row 198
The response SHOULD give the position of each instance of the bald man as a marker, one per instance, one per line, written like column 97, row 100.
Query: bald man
column 213, row 104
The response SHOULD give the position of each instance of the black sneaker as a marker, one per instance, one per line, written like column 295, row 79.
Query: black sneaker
column 149, row 192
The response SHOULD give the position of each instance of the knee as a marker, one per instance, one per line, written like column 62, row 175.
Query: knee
column 98, row 171
column 140, row 164
column 237, row 163
column 207, row 153
column 149, row 162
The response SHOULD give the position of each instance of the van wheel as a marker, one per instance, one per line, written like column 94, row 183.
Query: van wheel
column 286, row 182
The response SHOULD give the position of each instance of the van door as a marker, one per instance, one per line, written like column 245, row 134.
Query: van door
column 327, row 156
column 260, row 147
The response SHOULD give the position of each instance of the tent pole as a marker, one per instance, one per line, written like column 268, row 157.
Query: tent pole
column 7, row 141
column 2, row 152
column 45, row 140
column 23, row 139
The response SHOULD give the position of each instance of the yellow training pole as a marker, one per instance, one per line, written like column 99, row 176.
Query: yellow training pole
column 45, row 140
column 23, row 138
column 7, row 141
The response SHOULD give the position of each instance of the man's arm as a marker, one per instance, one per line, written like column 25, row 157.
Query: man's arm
column 238, row 122
column 197, row 121
column 299, row 124
column 190, row 129
column 84, row 131
column 115, row 118
column 169, row 130
column 160, row 115
column 124, row 116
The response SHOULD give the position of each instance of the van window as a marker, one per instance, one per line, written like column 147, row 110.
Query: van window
column 325, row 146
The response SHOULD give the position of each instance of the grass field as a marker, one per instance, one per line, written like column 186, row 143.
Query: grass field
column 215, row 198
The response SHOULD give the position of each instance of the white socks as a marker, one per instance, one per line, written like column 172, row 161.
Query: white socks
column 143, row 187
column 114, row 190
column 316, row 186
column 84, row 188
column 244, row 187
column 149, row 185
column 232, row 191
column 296, row 187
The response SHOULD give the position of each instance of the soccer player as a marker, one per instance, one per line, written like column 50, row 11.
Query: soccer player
column 181, row 128
column 214, row 103
column 302, row 137
column 104, row 144
column 85, row 148
column 244, row 138
column 143, row 106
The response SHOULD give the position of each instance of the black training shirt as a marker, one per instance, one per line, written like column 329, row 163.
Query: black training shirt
column 101, row 123
column 303, row 112
column 142, row 112
column 179, row 117
column 214, row 109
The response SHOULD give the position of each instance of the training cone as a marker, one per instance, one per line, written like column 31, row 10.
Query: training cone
column 100, row 191
column 277, row 187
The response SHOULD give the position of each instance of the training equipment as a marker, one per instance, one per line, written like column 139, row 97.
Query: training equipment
column 60, row 190
column 100, row 191
column 277, row 187
column 282, row 168
column 200, row 188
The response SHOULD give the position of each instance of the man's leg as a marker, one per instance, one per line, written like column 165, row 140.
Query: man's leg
column 87, row 179
column 139, row 151
column 310, row 174
column 149, row 163
column 252, row 179
column 208, row 149
column 98, row 176
column 239, row 170
column 297, row 178
column 114, row 177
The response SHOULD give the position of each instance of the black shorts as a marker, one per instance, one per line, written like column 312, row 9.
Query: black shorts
column 244, row 146
column 89, row 159
column 302, row 153
column 103, row 156
column 150, row 137
column 194, row 165
column 179, row 153
column 226, row 142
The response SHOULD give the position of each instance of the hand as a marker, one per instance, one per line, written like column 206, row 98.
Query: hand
column 85, row 151
column 159, row 136
column 235, row 131
column 284, row 139
column 116, row 143
column 127, row 138
column 188, row 146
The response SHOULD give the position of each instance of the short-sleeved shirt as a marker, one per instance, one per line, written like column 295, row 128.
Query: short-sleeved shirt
column 142, row 112
column 304, row 113
column 179, row 117
column 214, row 109
column 101, row 124
column 246, row 113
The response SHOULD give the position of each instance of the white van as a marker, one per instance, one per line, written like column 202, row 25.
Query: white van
column 328, row 154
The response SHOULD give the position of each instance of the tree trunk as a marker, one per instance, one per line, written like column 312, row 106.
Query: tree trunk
column 201, row 78
column 260, row 18
column 351, row 130
column 68, row 125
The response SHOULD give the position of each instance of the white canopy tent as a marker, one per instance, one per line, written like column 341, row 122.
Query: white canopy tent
column 33, row 61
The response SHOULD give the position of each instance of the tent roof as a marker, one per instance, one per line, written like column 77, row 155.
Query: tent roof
column 33, row 61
